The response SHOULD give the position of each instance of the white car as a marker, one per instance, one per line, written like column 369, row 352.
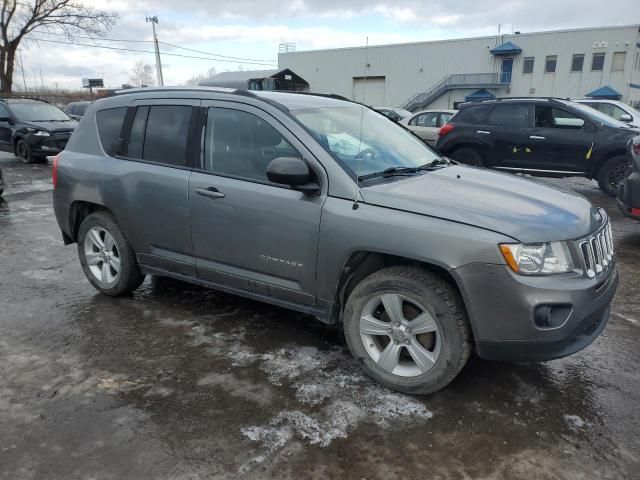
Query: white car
column 427, row 124
column 615, row 109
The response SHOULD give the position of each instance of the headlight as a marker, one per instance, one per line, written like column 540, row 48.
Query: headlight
column 41, row 133
column 537, row 258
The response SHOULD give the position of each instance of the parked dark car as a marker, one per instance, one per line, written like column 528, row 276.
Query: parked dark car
column 33, row 129
column 325, row 207
column 76, row 110
column 629, row 191
column 540, row 136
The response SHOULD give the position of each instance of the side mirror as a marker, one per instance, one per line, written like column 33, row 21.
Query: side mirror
column 625, row 117
column 5, row 119
column 292, row 171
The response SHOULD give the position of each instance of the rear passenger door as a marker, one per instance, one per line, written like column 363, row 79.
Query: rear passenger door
column 507, row 130
column 147, row 185
column 248, row 233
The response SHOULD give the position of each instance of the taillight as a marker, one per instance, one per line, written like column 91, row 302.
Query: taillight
column 446, row 128
column 54, row 170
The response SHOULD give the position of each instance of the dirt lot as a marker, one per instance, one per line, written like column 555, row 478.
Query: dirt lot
column 179, row 382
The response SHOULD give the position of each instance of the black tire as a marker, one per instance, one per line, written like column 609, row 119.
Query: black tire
column 129, row 277
column 23, row 152
column 468, row 156
column 439, row 299
column 611, row 173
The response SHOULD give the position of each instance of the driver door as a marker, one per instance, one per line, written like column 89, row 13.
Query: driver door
column 247, row 232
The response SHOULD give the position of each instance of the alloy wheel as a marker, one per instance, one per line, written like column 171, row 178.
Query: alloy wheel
column 102, row 256
column 400, row 335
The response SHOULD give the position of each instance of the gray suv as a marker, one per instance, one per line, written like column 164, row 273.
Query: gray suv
column 325, row 207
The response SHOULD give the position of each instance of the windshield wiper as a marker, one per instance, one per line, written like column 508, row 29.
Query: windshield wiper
column 404, row 171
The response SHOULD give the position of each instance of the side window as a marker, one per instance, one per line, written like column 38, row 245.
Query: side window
column 109, row 126
column 241, row 144
column 509, row 115
column 612, row 110
column 136, row 138
column 444, row 118
column 476, row 114
column 165, row 138
column 427, row 120
column 597, row 62
column 550, row 117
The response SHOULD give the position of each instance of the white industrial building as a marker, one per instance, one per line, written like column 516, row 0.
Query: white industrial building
column 602, row 62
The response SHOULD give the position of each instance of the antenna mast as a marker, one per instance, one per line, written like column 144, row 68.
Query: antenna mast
column 362, row 107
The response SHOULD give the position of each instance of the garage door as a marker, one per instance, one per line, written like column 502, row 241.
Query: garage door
column 371, row 89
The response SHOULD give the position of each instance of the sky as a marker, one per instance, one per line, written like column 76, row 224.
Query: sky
column 253, row 30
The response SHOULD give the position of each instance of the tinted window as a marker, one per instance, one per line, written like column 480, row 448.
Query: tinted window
column 597, row 63
column 513, row 116
column 165, row 139
column 109, row 126
column 527, row 67
column 550, row 63
column 136, row 138
column 241, row 144
column 577, row 62
column 444, row 118
column 81, row 108
column 550, row 117
column 473, row 114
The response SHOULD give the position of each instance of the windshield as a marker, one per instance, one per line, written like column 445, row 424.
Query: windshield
column 364, row 140
column 598, row 117
column 36, row 111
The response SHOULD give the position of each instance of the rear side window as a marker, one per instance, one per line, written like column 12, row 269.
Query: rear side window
column 509, row 115
column 109, row 127
column 159, row 134
column 474, row 114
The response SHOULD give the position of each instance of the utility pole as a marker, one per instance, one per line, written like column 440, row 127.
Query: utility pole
column 154, row 21
column 24, row 79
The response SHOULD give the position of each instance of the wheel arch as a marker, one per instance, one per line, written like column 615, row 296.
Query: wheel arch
column 595, row 171
column 78, row 211
column 363, row 263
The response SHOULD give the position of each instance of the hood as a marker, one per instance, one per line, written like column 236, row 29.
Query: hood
column 52, row 125
column 527, row 210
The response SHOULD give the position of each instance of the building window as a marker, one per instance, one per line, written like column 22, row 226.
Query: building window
column 527, row 67
column 550, row 63
column 597, row 62
column 577, row 62
column 619, row 59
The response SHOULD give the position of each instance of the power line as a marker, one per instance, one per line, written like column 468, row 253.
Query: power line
column 148, row 51
column 164, row 43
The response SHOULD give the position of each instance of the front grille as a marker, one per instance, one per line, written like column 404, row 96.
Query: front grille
column 597, row 251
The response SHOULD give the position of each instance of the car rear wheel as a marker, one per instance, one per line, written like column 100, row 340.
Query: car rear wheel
column 106, row 256
column 468, row 156
column 23, row 151
column 611, row 174
column 408, row 328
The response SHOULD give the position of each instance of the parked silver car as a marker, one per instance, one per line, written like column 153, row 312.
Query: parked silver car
column 427, row 124
column 325, row 207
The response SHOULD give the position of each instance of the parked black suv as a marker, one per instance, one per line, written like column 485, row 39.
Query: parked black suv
column 539, row 136
column 629, row 191
column 33, row 129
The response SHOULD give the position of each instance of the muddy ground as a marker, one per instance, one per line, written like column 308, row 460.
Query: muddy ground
column 180, row 382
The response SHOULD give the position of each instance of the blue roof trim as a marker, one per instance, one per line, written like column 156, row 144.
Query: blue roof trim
column 634, row 85
column 481, row 94
column 605, row 92
column 506, row 48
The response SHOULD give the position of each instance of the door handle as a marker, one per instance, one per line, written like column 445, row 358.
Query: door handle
column 537, row 137
column 211, row 192
column 483, row 132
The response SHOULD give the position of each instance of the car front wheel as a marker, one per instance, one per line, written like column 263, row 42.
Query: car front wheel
column 106, row 256
column 468, row 156
column 408, row 328
column 23, row 151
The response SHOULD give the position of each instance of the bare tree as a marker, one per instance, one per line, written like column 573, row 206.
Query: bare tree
column 19, row 18
column 199, row 77
column 141, row 74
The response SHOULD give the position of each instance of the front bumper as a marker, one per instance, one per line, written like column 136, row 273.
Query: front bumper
column 46, row 146
column 502, row 309
column 629, row 196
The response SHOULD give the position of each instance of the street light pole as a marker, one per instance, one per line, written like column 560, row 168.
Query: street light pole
column 154, row 21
